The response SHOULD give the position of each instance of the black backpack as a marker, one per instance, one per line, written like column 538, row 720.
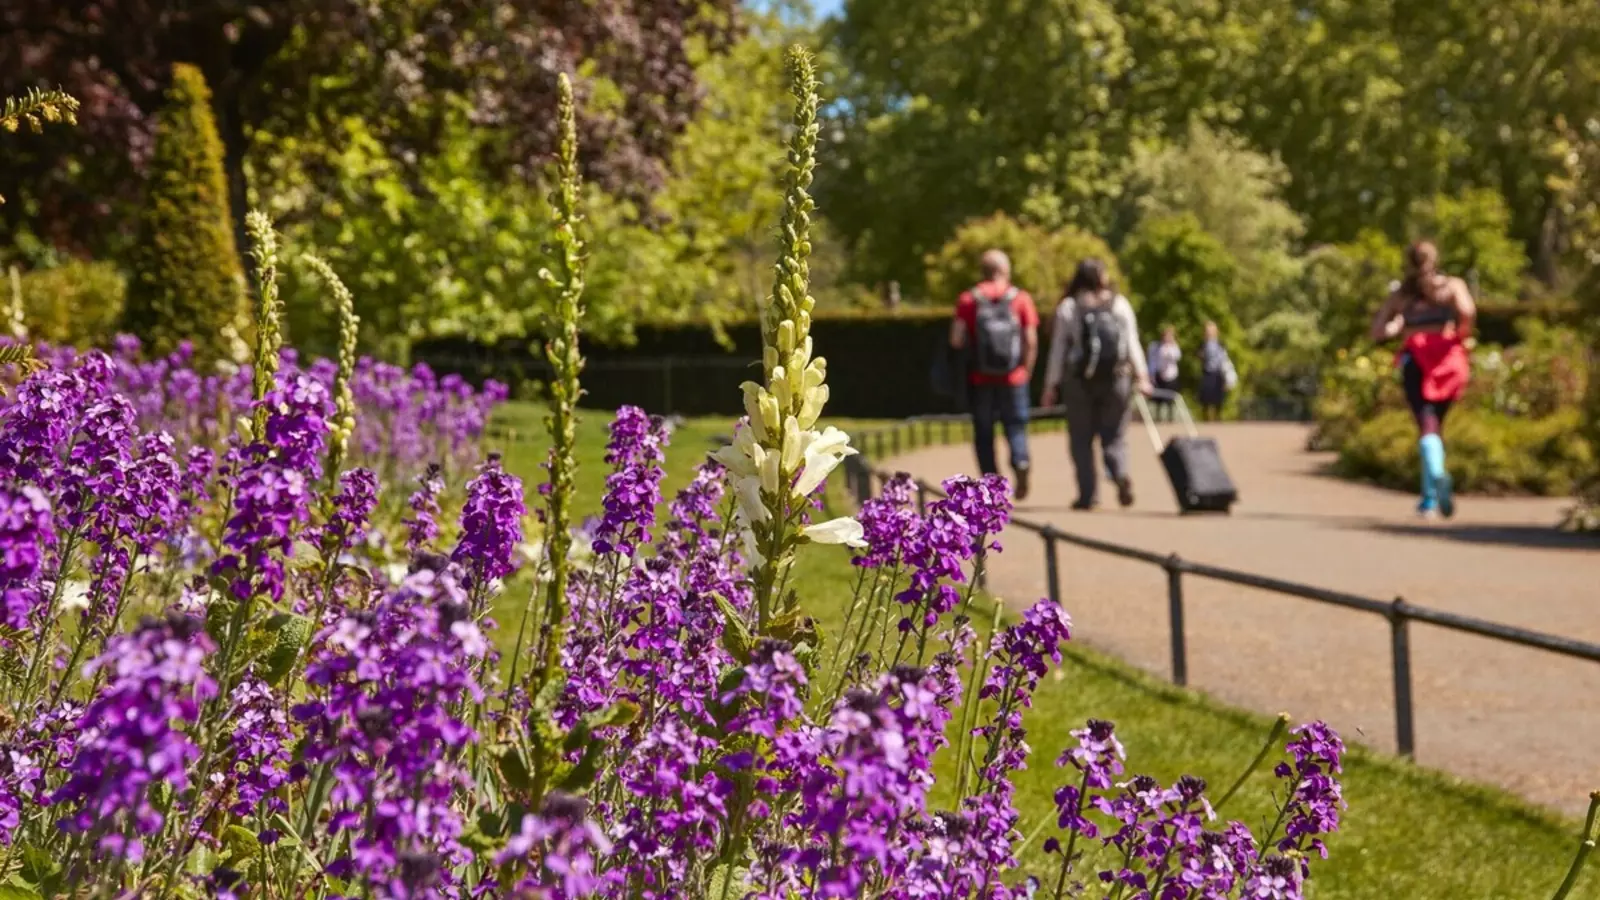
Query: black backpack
column 1099, row 344
column 997, row 346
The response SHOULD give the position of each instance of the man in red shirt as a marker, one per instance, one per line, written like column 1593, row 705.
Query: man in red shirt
column 997, row 327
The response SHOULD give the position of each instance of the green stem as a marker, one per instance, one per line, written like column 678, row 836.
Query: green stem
column 1278, row 728
column 1585, row 847
column 46, row 633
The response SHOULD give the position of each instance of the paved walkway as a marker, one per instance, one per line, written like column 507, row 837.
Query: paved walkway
column 1521, row 718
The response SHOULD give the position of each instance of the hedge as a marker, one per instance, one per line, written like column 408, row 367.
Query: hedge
column 878, row 363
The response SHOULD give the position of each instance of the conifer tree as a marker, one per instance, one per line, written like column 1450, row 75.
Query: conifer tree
column 188, row 282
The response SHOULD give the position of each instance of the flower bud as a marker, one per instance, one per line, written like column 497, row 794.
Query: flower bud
column 752, row 408
column 793, row 444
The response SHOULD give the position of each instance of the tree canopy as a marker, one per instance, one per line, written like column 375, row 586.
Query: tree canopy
column 1371, row 107
column 404, row 68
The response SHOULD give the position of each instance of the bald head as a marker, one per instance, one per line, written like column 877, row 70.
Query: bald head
column 995, row 265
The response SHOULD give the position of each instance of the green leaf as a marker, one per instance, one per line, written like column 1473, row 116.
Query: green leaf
column 581, row 776
column 12, row 892
column 293, row 633
column 240, row 844
column 38, row 866
column 514, row 769
column 736, row 637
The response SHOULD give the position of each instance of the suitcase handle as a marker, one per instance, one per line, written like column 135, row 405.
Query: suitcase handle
column 1149, row 421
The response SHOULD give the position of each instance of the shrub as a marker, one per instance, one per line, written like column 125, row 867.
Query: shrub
column 1183, row 277
column 77, row 303
column 1491, row 453
column 187, row 281
column 1042, row 261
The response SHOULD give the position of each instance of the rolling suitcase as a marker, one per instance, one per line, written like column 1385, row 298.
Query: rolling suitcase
column 1193, row 464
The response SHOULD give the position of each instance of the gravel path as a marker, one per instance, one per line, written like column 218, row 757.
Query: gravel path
column 1520, row 718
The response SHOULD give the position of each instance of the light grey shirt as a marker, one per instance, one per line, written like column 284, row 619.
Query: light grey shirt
column 1066, row 331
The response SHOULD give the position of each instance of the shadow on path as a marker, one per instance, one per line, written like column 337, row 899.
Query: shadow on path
column 1537, row 537
column 1346, row 521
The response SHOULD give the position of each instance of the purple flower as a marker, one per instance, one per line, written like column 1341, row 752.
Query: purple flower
column 1315, row 795
column 271, row 504
column 26, row 532
column 1098, row 756
column 129, row 737
column 388, row 689
column 297, row 423
column 561, row 848
column 352, row 510
column 423, row 526
column 633, row 489
column 262, row 748
column 491, row 524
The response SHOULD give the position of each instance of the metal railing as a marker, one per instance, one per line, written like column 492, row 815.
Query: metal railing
column 894, row 439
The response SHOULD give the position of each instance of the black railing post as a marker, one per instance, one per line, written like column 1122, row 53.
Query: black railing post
column 894, row 437
column 863, row 472
column 1180, row 653
column 927, row 432
column 1052, row 564
column 922, row 497
column 946, row 425
column 1404, row 719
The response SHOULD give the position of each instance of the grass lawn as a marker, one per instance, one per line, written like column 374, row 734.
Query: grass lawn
column 1409, row 832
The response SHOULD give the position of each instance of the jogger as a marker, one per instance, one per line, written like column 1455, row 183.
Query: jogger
column 1433, row 314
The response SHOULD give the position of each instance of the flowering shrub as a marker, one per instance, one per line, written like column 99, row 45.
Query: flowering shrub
column 246, row 701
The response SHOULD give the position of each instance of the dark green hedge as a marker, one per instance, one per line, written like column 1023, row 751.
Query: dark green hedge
column 878, row 367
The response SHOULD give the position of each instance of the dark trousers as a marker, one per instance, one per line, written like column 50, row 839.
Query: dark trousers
column 1162, row 407
column 1007, row 405
column 1097, row 410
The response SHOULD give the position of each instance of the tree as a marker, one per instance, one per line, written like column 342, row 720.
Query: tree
column 1183, row 277
column 1471, row 230
column 934, row 131
column 1042, row 261
column 1234, row 193
column 403, row 67
column 1342, row 285
column 187, row 279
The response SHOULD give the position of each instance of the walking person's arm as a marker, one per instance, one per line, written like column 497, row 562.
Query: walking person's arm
column 1135, row 349
column 1028, row 316
column 1056, row 363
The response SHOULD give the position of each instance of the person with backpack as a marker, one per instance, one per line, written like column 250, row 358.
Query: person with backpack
column 1217, row 375
column 997, row 327
column 1095, row 364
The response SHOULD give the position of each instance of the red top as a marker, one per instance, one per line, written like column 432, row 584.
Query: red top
column 1444, row 363
column 1021, row 307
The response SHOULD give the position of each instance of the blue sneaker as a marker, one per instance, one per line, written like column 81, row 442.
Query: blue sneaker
column 1447, row 497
